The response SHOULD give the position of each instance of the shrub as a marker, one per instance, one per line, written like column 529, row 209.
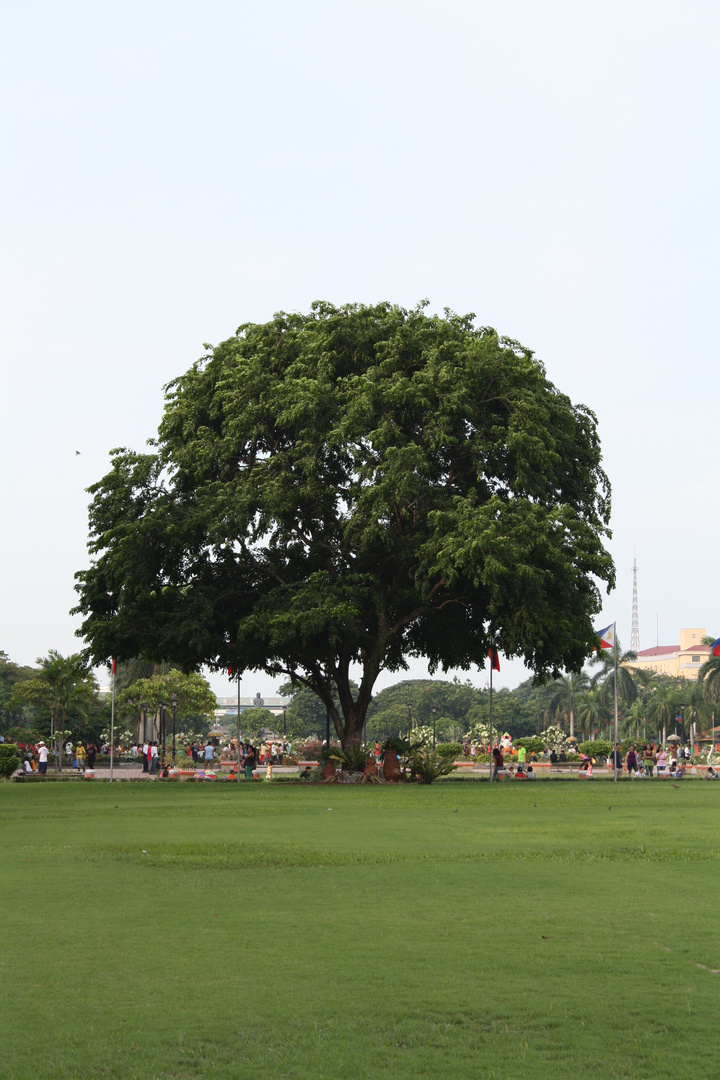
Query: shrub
column 532, row 743
column 450, row 750
column 400, row 746
column 9, row 759
column 350, row 760
column 596, row 749
column 426, row 765
column 312, row 750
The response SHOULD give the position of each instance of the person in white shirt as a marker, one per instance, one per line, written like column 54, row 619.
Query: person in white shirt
column 153, row 758
column 69, row 751
column 42, row 757
column 145, row 757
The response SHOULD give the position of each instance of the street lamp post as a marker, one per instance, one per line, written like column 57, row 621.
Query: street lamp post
column 433, row 710
column 284, row 721
column 173, row 702
column 409, row 709
column 162, row 713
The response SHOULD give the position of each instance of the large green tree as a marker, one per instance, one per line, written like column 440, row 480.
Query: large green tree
column 11, row 711
column 349, row 488
column 195, row 703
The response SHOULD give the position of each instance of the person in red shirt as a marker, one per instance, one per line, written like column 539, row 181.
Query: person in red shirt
column 498, row 764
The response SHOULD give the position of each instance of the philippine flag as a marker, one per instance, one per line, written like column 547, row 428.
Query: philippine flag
column 715, row 647
column 607, row 636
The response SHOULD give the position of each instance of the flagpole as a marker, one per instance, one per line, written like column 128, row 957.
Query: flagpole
column 112, row 723
column 238, row 733
column 615, row 769
column 490, row 754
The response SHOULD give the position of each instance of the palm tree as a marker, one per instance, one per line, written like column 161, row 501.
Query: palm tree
column 634, row 717
column 697, row 709
column 592, row 712
column 562, row 696
column 709, row 679
column 627, row 686
column 663, row 708
column 63, row 684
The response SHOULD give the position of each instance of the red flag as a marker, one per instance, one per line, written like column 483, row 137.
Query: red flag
column 114, row 666
column 229, row 671
column 494, row 659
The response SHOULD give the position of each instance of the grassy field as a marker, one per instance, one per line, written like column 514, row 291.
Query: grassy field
column 547, row 930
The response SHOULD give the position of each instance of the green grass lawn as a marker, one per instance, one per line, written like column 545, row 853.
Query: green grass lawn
column 460, row 930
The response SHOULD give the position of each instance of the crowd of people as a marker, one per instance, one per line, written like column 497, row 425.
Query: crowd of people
column 652, row 759
column 642, row 763
column 35, row 756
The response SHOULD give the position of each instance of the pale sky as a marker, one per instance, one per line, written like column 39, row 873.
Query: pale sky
column 172, row 169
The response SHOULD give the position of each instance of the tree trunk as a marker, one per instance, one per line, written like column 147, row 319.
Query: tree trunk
column 572, row 723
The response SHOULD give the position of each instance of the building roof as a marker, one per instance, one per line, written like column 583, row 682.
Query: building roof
column 660, row 650
column 670, row 650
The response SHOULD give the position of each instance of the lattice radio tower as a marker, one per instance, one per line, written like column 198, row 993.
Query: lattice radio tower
column 635, row 631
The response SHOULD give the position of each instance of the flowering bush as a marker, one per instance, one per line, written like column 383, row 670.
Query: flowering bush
column 480, row 733
column 422, row 736
column 553, row 737
column 312, row 750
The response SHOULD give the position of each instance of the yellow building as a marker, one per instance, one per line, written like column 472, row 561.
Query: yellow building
column 681, row 661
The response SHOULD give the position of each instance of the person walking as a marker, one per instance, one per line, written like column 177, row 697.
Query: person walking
column 616, row 758
column 91, row 755
column 145, row 758
column 209, row 754
column 80, row 756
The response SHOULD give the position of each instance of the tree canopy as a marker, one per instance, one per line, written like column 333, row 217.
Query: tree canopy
column 349, row 488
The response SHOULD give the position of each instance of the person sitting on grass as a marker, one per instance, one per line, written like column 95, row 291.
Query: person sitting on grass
column 306, row 773
column 520, row 774
column 531, row 774
column 586, row 769
column 711, row 774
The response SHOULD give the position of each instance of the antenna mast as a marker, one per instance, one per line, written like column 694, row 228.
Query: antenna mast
column 635, row 631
